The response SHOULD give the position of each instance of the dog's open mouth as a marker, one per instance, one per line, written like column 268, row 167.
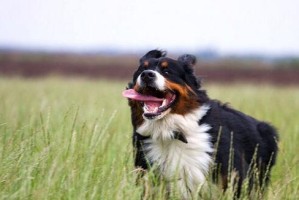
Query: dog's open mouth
column 154, row 104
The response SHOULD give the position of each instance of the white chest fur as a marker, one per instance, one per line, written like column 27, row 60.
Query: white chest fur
column 186, row 162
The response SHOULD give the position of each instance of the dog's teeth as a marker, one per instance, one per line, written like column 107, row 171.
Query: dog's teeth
column 145, row 108
column 164, row 103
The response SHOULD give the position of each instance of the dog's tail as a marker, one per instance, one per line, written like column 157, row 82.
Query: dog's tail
column 269, row 149
column 270, row 139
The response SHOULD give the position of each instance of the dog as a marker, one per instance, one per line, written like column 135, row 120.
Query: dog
column 186, row 135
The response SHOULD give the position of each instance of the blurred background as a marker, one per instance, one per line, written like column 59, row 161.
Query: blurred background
column 64, row 127
column 252, row 41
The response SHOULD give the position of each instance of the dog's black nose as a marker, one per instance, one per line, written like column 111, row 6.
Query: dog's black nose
column 147, row 76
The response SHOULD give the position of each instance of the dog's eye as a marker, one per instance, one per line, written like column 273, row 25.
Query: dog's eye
column 166, row 71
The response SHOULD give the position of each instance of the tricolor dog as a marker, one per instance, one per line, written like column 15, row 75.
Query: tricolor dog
column 186, row 135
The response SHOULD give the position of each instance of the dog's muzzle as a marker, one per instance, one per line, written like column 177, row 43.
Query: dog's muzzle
column 148, row 77
column 153, row 79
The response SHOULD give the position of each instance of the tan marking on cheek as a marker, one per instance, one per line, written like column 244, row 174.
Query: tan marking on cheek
column 187, row 99
column 137, row 112
column 136, row 109
column 177, row 87
column 136, row 87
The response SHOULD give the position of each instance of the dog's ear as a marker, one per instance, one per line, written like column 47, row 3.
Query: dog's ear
column 188, row 59
column 189, row 62
column 153, row 54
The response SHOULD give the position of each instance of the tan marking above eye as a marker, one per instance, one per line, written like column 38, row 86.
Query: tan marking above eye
column 164, row 64
column 146, row 63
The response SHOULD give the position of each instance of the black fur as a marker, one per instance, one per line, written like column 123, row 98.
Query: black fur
column 247, row 143
column 254, row 145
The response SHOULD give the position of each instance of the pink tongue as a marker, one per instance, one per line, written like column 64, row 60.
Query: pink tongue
column 132, row 94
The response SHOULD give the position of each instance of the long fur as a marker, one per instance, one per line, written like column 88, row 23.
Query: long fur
column 183, row 140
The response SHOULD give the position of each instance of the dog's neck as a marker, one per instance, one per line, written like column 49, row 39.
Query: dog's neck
column 173, row 126
column 165, row 147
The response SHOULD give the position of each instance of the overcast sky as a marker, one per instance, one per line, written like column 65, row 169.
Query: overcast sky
column 228, row 26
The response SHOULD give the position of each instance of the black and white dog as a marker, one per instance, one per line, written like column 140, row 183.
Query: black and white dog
column 185, row 134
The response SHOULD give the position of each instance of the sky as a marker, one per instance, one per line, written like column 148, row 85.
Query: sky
column 227, row 26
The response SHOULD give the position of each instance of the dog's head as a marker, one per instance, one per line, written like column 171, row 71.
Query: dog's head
column 162, row 85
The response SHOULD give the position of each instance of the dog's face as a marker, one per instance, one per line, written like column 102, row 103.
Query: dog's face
column 162, row 85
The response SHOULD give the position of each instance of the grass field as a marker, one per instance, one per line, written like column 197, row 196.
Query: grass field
column 71, row 139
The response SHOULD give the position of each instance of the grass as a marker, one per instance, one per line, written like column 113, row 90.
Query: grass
column 71, row 139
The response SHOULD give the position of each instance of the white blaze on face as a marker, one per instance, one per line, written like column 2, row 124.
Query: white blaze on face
column 159, row 82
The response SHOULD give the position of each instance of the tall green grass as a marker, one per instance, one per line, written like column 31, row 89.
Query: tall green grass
column 71, row 139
